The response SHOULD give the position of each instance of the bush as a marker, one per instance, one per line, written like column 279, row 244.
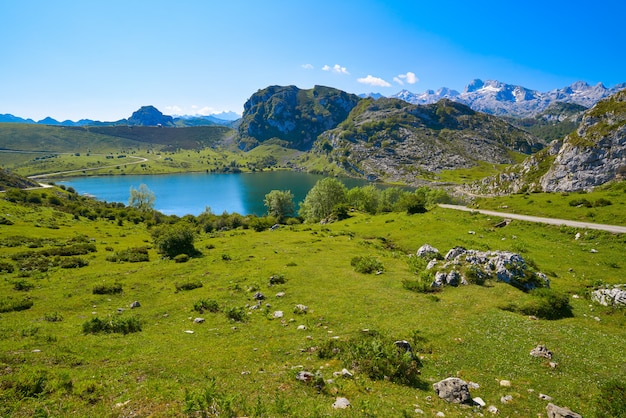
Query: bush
column 131, row 255
column 277, row 279
column 6, row 267
column 112, row 325
column 580, row 202
column 366, row 265
column 189, row 285
column 422, row 283
column 9, row 304
column 544, row 303
column 206, row 305
column 172, row 240
column 22, row 285
column 73, row 262
column 612, row 399
column 602, row 202
column 375, row 356
column 53, row 317
column 237, row 314
column 181, row 258
column 107, row 289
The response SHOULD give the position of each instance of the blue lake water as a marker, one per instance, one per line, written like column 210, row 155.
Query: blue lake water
column 183, row 194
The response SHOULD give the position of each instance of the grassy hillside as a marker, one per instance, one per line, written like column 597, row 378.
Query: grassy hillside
column 244, row 362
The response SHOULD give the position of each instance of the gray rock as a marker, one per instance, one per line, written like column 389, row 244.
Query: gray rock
column 305, row 376
column 427, row 251
column 506, row 399
column 406, row 346
column 560, row 412
column 259, row 296
column 341, row 403
column 300, row 309
column 541, row 351
column 432, row 263
column 453, row 390
column 493, row 409
column 453, row 278
column 198, row 320
column 545, row 397
column 615, row 296
column 135, row 304
column 278, row 314
column 454, row 253
column 479, row 401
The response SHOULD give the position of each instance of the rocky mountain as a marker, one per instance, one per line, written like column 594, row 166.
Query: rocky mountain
column 497, row 98
column 293, row 115
column 593, row 154
column 555, row 122
column 150, row 116
column 395, row 141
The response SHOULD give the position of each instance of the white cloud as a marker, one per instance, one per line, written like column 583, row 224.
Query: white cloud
column 374, row 81
column 307, row 66
column 336, row 69
column 173, row 110
column 206, row 111
column 409, row 77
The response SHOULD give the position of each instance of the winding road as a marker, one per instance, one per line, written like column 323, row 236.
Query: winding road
column 616, row 229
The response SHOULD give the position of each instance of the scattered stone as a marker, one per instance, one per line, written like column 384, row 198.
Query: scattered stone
column 188, row 331
column 593, row 251
column 493, row 409
column 280, row 294
column 259, row 296
column 432, row 263
column 406, row 346
column 453, row 390
column 577, row 236
column 440, row 414
column 120, row 310
column 278, row 314
column 471, row 232
column 419, row 411
column 305, row 376
column 615, row 296
column 506, row 399
column 198, row 320
column 300, row 309
column 545, row 397
column 274, row 227
column 473, row 385
column 36, row 350
column 135, row 304
column 553, row 365
column 301, row 327
column 541, row 351
column 454, row 253
column 479, row 401
column 560, row 412
column 505, row 383
column 427, row 251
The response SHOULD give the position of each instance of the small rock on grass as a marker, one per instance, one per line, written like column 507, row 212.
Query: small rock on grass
column 341, row 403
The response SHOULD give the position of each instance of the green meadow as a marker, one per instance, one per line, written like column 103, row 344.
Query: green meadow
column 71, row 345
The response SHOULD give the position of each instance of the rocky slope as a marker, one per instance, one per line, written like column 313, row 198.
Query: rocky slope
column 293, row 115
column 595, row 153
column 497, row 98
column 395, row 141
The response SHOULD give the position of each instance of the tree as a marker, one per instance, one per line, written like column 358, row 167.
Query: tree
column 322, row 199
column 364, row 198
column 279, row 204
column 142, row 198
column 172, row 240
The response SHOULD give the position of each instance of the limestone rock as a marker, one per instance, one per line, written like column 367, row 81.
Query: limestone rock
column 560, row 412
column 453, row 390
column 541, row 351
column 615, row 296
column 427, row 251
column 135, row 304
column 341, row 403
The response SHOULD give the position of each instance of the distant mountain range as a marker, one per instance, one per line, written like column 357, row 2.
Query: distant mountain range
column 145, row 116
column 501, row 99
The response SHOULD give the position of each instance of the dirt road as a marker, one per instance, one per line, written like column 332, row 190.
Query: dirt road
column 616, row 229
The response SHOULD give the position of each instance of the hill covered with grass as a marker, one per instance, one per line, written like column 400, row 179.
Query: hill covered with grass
column 263, row 323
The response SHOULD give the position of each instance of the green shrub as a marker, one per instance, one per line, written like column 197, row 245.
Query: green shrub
column 602, row 202
column 116, row 325
column 32, row 385
column 612, row 399
column 22, row 285
column 582, row 202
column 544, row 303
column 237, row 314
column 181, row 258
column 172, row 240
column 366, row 264
column 53, row 317
column 376, row 356
column 8, row 304
column 422, row 283
column 277, row 279
column 107, row 289
column 189, row 285
column 206, row 305
column 131, row 255
column 73, row 262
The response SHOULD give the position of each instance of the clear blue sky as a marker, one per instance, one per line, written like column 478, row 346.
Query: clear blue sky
column 103, row 59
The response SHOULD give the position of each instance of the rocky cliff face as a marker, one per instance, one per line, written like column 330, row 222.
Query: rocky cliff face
column 392, row 140
column 594, row 154
column 293, row 115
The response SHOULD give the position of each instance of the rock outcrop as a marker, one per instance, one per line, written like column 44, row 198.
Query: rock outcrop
column 615, row 296
column 453, row 390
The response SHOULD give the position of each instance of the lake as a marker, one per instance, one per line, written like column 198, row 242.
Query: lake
column 191, row 193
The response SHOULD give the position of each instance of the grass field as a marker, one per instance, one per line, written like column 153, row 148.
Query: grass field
column 50, row 367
